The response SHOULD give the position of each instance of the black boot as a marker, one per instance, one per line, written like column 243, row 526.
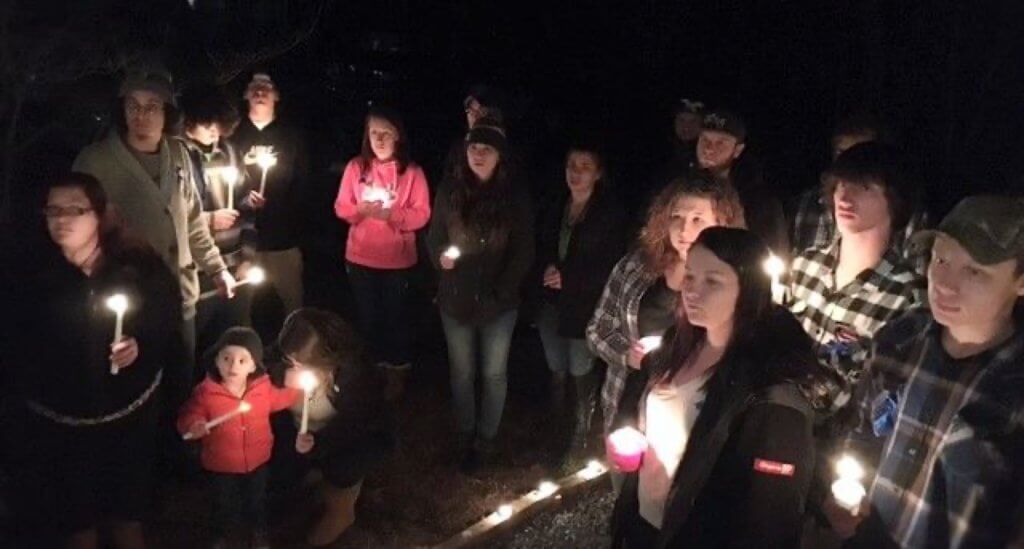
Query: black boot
column 586, row 400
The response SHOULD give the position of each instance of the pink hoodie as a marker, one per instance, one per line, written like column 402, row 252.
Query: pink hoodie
column 376, row 243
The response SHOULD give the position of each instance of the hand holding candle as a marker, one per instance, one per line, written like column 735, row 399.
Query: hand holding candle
column 119, row 304
column 626, row 447
column 775, row 268
column 449, row 256
column 308, row 382
column 847, row 490
column 254, row 276
column 195, row 432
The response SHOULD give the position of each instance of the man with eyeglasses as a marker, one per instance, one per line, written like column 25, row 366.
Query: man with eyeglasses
column 150, row 181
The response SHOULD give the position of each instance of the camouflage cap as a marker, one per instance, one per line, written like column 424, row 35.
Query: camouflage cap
column 989, row 227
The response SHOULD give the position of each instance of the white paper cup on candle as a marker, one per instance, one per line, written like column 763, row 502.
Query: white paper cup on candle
column 266, row 160
column 229, row 174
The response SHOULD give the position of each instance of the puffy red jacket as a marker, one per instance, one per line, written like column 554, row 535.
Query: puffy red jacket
column 242, row 443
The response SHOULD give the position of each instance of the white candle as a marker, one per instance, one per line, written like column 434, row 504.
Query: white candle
column 266, row 160
column 307, row 380
column 243, row 407
column 119, row 304
column 650, row 343
column 230, row 176
column 848, row 491
column 775, row 267
column 452, row 253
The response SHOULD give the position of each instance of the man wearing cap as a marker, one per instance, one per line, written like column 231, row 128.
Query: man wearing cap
column 720, row 147
column 280, row 206
column 150, row 181
column 945, row 394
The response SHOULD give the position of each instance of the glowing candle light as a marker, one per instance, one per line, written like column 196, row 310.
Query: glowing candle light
column 377, row 194
column 243, row 408
column 452, row 253
column 229, row 174
column 775, row 267
column 255, row 276
column 593, row 470
column 650, row 343
column 265, row 160
column 546, row 488
column 848, row 490
column 119, row 304
column 308, row 382
column 626, row 446
column 503, row 513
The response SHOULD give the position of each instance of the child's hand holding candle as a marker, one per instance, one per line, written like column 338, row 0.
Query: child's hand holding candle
column 625, row 448
column 304, row 443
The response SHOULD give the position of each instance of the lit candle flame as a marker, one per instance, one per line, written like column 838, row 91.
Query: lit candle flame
column 255, row 276
column 650, row 343
column 774, row 266
column 118, row 303
column 452, row 253
column 266, row 160
column 229, row 174
column 308, row 381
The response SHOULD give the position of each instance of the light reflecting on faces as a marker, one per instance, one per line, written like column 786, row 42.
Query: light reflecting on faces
column 717, row 150
column 582, row 171
column 483, row 160
column 383, row 137
column 235, row 363
column 710, row 290
column 963, row 293
column 70, row 219
column 690, row 215
column 860, row 207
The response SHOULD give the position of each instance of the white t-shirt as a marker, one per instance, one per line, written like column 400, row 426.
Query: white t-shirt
column 670, row 411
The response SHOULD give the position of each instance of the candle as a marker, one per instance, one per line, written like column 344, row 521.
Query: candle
column 243, row 407
column 775, row 267
column 503, row 513
column 229, row 174
column 452, row 253
column 626, row 447
column 266, row 160
column 847, row 490
column 377, row 194
column 254, row 276
column 307, row 380
column 546, row 488
column 650, row 343
column 593, row 470
column 119, row 304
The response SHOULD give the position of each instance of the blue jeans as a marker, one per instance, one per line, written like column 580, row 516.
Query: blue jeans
column 562, row 353
column 380, row 296
column 495, row 337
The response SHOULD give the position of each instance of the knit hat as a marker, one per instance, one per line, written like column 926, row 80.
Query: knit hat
column 154, row 80
column 989, row 227
column 239, row 336
column 487, row 131
column 726, row 122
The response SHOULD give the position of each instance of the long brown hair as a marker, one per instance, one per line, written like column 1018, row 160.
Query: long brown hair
column 323, row 341
column 654, row 237
column 392, row 117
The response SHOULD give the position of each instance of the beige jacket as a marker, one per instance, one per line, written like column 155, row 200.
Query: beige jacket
column 168, row 216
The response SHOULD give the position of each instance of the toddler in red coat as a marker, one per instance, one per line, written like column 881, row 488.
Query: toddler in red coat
column 229, row 412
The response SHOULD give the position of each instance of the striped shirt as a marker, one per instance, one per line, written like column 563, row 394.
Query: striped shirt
column 951, row 471
column 842, row 321
column 613, row 329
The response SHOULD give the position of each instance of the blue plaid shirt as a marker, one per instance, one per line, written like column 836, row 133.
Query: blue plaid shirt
column 951, row 469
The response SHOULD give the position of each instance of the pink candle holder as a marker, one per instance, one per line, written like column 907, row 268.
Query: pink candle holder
column 626, row 447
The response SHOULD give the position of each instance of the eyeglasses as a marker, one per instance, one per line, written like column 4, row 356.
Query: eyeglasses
column 70, row 211
column 134, row 109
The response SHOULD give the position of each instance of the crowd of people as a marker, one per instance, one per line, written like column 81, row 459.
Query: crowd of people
column 881, row 341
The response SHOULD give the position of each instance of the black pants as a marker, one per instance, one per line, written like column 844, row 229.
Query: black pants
column 381, row 297
column 238, row 497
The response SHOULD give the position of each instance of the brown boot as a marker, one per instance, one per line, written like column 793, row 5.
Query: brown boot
column 339, row 514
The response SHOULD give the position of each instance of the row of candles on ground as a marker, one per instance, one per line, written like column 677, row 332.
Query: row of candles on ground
column 118, row 303
column 229, row 175
column 627, row 446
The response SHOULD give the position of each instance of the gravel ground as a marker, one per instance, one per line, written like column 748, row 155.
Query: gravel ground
column 581, row 522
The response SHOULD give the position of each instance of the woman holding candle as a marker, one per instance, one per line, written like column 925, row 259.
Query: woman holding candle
column 731, row 378
column 350, row 431
column 485, row 212
column 385, row 200
column 235, row 452
column 641, row 296
column 580, row 238
column 82, row 439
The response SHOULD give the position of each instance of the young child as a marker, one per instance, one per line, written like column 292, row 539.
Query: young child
column 236, row 451
column 350, row 428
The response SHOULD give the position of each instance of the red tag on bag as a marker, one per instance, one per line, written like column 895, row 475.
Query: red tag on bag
column 774, row 467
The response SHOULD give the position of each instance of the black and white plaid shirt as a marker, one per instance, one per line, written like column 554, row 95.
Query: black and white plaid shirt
column 842, row 321
column 814, row 226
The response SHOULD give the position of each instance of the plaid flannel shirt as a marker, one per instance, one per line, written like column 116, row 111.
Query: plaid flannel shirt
column 842, row 321
column 814, row 226
column 613, row 329
column 951, row 471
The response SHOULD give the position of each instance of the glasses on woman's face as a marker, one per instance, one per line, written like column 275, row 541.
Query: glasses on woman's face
column 149, row 109
column 68, row 211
